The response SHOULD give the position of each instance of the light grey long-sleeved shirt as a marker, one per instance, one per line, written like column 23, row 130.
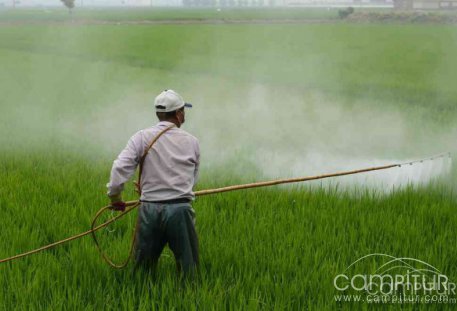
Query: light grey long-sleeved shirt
column 170, row 169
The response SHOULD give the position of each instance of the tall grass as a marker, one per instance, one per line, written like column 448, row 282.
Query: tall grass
column 271, row 248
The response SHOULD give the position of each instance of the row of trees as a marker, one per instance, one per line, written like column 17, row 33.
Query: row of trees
column 70, row 4
column 228, row 3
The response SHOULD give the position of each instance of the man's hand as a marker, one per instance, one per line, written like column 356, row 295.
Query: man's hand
column 117, row 204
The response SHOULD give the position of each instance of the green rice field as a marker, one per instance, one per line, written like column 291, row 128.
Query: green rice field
column 265, row 97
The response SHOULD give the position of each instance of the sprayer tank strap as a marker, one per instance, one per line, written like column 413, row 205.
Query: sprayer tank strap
column 141, row 163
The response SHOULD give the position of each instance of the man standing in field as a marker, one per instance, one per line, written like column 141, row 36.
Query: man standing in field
column 169, row 171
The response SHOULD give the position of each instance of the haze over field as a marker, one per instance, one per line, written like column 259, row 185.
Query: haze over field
column 298, row 105
column 179, row 3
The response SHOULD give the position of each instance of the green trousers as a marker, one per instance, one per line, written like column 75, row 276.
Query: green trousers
column 159, row 224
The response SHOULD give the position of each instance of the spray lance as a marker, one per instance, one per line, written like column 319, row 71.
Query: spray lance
column 132, row 205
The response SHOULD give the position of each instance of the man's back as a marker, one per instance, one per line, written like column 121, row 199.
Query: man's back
column 170, row 169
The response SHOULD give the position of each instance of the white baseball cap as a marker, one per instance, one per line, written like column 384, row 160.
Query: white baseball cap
column 168, row 101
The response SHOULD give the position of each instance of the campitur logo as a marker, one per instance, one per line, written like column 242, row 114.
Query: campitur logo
column 381, row 278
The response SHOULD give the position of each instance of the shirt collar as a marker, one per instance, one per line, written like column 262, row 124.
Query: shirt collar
column 166, row 123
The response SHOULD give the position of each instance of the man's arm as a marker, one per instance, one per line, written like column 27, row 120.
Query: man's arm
column 197, row 163
column 124, row 167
